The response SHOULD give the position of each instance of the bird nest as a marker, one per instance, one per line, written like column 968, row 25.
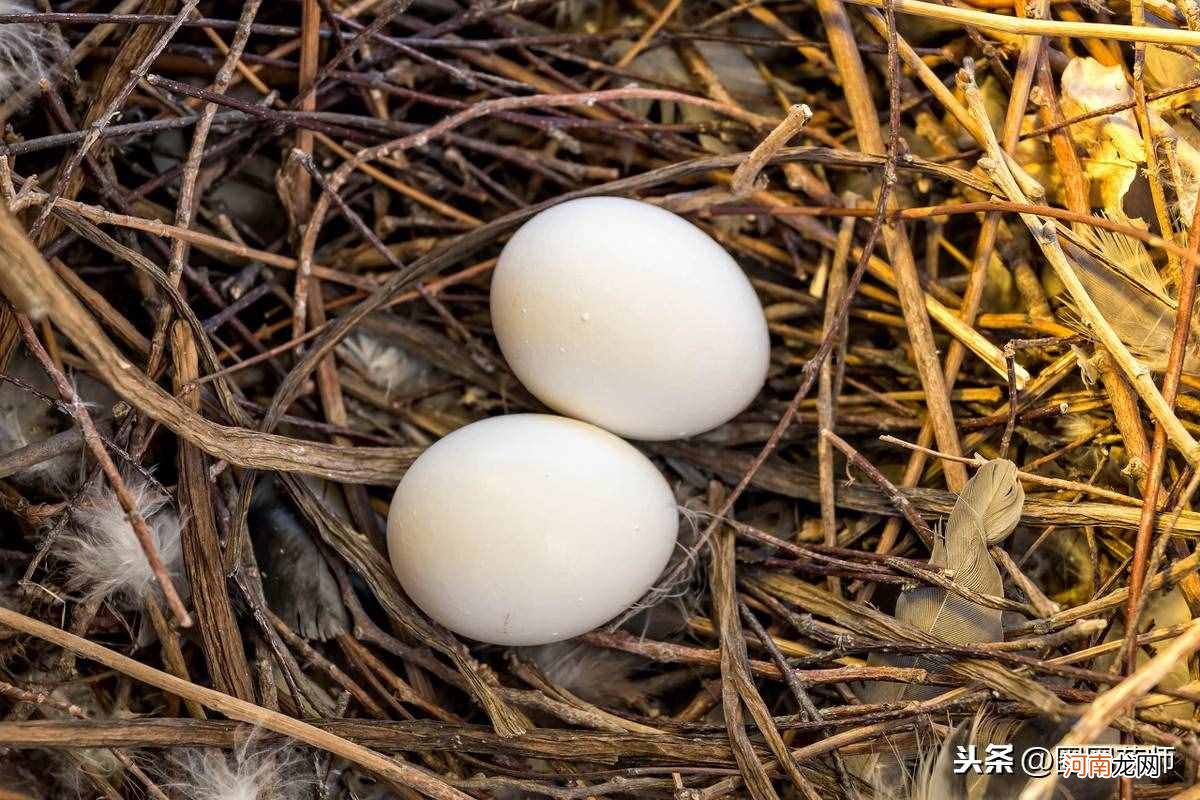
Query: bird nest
column 245, row 256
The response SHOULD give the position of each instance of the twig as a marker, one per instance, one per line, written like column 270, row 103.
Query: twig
column 829, row 387
column 746, row 177
column 1039, row 27
column 899, row 500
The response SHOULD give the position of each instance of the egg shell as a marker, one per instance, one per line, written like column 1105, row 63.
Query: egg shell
column 529, row 529
column 620, row 313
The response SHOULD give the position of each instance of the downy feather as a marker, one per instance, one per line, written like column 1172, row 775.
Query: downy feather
column 245, row 774
column 1139, row 310
column 102, row 554
column 384, row 365
column 935, row 778
column 1119, row 277
column 1023, row 734
column 29, row 53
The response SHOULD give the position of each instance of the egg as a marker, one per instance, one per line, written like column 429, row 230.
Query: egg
column 530, row 528
column 620, row 313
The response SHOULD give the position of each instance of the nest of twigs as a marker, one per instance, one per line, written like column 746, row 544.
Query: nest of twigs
column 245, row 252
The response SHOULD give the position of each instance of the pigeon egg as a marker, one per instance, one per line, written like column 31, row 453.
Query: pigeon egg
column 530, row 528
column 620, row 313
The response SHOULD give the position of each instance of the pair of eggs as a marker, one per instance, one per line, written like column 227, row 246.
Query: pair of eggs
column 532, row 528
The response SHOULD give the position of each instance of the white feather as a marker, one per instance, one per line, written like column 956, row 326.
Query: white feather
column 1075, row 426
column 386, row 366
column 245, row 774
column 28, row 52
column 103, row 555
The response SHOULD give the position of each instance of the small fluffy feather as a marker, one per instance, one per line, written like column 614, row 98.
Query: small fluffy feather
column 385, row 366
column 1075, row 426
column 245, row 774
column 28, row 53
column 103, row 556
column 923, row 775
column 677, row 595
column 599, row 676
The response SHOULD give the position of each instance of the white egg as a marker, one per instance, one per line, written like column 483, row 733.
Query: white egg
column 627, row 316
column 530, row 528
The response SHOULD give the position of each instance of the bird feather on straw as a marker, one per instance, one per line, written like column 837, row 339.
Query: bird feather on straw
column 102, row 554
column 29, row 53
column 248, row 773
column 985, row 513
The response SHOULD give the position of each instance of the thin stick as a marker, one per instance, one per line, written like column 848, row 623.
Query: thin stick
column 746, row 176
column 1039, row 27
column 1158, row 454
column 310, row 42
column 828, row 388
column 898, row 499
column 1031, row 477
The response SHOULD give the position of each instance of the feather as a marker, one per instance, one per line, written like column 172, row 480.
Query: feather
column 74, row 770
column 1075, row 426
column 989, row 729
column 1163, row 610
column 1114, row 142
column 297, row 581
column 985, row 513
column 924, row 772
column 384, row 365
column 935, row 778
column 600, row 676
column 245, row 774
column 1140, row 313
column 28, row 53
column 103, row 556
column 1128, row 256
